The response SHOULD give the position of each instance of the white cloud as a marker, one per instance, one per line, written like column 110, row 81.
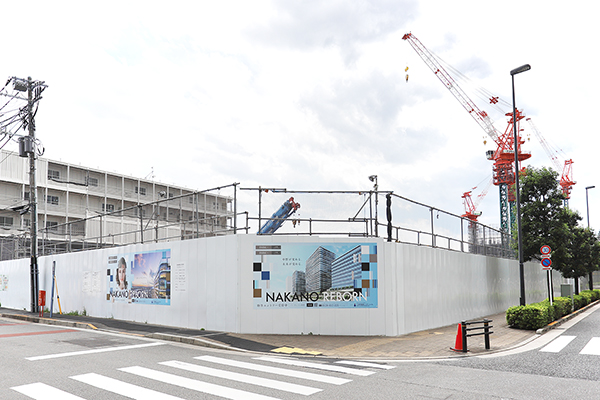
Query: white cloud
column 307, row 95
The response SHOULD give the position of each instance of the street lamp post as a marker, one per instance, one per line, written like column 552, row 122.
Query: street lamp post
column 587, row 206
column 514, row 72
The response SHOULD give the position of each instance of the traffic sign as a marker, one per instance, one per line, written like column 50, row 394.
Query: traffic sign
column 545, row 249
column 546, row 262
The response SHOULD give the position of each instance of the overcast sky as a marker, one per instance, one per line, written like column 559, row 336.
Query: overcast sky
column 307, row 95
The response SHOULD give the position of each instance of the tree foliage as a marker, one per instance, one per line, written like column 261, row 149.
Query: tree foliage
column 545, row 221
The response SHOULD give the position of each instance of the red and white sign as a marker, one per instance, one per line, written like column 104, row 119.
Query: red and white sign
column 546, row 263
column 545, row 249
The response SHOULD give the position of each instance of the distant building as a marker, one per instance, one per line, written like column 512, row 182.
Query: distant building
column 346, row 270
column 71, row 198
column 298, row 282
column 318, row 270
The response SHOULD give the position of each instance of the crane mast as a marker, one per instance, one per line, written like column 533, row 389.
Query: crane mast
column 503, row 156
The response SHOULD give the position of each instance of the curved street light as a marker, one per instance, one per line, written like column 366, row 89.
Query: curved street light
column 522, row 68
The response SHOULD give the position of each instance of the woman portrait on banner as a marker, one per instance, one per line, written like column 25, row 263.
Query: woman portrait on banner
column 121, row 289
column 122, row 274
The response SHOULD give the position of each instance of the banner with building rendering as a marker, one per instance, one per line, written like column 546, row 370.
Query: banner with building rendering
column 315, row 275
column 140, row 277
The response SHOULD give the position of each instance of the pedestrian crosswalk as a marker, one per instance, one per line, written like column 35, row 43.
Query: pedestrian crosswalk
column 562, row 342
column 285, row 375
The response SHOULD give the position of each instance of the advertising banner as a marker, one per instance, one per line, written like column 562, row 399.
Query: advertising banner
column 140, row 277
column 315, row 275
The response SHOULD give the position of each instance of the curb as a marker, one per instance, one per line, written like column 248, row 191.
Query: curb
column 156, row 335
column 564, row 319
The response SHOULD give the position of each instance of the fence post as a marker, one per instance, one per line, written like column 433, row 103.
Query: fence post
column 486, row 330
column 432, row 232
column 141, row 224
column 464, row 336
column 389, row 216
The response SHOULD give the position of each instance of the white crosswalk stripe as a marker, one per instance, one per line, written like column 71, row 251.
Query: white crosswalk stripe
column 254, row 380
column 365, row 364
column 120, row 386
column 325, row 367
column 41, row 391
column 277, row 371
column 560, row 343
column 199, row 386
column 593, row 347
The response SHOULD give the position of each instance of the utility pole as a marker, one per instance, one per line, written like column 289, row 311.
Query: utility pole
column 32, row 201
column 27, row 148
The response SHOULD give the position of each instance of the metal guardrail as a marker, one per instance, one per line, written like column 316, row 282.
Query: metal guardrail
column 405, row 221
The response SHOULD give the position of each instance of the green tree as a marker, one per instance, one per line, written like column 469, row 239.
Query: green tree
column 582, row 250
column 544, row 220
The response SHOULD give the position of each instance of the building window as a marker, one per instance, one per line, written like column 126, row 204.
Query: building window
column 108, row 207
column 140, row 190
column 27, row 222
column 92, row 181
column 25, row 195
column 52, row 200
column 52, row 226
column 53, row 174
column 6, row 221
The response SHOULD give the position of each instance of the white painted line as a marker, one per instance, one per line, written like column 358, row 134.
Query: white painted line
column 593, row 347
column 234, row 376
column 366, row 364
column 324, row 367
column 557, row 344
column 95, row 351
column 122, row 388
column 274, row 370
column 41, row 391
column 199, row 386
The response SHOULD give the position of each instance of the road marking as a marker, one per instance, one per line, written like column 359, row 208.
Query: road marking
column 593, row 347
column 122, row 388
column 41, row 391
column 366, row 364
column 234, row 376
column 37, row 333
column 95, row 351
column 558, row 344
column 325, row 367
column 274, row 370
column 199, row 386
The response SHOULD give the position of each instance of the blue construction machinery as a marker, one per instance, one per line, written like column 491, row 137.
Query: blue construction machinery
column 279, row 217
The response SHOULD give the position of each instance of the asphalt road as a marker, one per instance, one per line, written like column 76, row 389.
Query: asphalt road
column 50, row 362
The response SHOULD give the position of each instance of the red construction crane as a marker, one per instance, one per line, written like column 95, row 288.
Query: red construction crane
column 471, row 212
column 503, row 156
column 566, row 179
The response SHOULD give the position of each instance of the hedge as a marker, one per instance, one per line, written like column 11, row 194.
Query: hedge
column 537, row 315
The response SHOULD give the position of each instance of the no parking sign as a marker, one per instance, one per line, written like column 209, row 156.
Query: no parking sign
column 546, row 261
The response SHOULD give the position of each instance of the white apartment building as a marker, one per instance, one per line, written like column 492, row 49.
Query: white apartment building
column 80, row 207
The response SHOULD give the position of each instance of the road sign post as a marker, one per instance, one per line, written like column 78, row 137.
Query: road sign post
column 547, row 265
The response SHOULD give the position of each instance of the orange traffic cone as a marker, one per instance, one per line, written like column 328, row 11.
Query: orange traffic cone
column 458, row 345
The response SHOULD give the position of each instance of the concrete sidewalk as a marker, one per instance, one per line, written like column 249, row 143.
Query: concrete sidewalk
column 433, row 343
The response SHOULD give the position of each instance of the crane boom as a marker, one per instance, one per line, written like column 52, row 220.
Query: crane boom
column 481, row 117
column 566, row 181
column 279, row 217
column 503, row 157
